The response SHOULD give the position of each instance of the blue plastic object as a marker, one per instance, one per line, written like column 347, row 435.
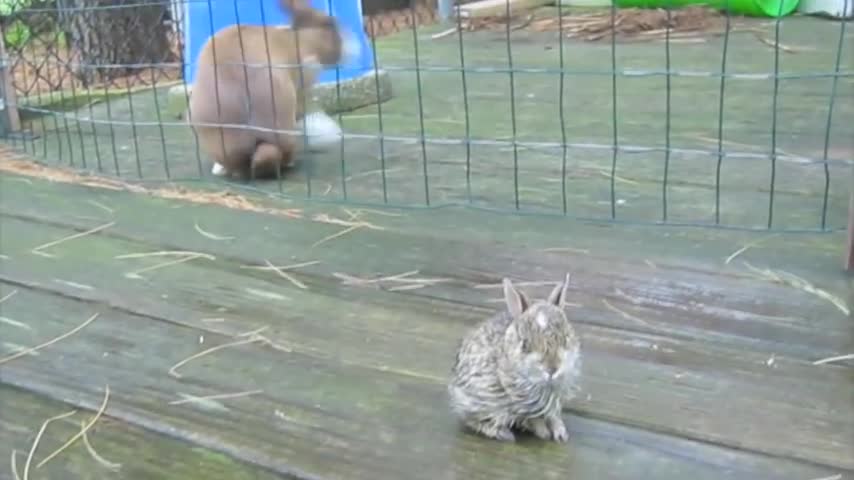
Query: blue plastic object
column 202, row 19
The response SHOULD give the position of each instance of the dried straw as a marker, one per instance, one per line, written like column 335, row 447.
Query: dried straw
column 13, row 462
column 135, row 273
column 747, row 246
column 482, row 286
column 210, row 235
column 252, row 336
column 405, row 278
column 38, row 250
column 324, row 218
column 267, row 295
column 275, row 346
column 101, row 206
column 445, row 33
column 173, row 371
column 8, row 296
column 375, row 212
column 166, row 253
column 219, row 396
column 337, row 234
column 350, row 279
column 285, row 275
column 67, row 334
column 795, row 281
column 97, row 457
column 838, row 358
column 252, row 333
column 617, row 178
column 284, row 267
column 623, row 314
column 567, row 249
column 352, row 224
column 82, row 430
column 15, row 323
column 407, row 287
column 256, row 334
column 773, row 44
column 224, row 198
column 38, row 438
column 422, row 281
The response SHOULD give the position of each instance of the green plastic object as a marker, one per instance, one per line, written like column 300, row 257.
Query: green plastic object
column 753, row 8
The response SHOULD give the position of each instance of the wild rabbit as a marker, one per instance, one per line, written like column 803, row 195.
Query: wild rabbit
column 240, row 81
column 517, row 369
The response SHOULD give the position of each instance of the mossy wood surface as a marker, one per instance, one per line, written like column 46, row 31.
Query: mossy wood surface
column 692, row 367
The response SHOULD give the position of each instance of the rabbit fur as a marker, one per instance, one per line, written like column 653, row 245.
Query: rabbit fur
column 237, row 84
column 517, row 369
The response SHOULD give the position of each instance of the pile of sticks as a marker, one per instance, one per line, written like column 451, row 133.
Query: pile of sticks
column 636, row 23
column 689, row 24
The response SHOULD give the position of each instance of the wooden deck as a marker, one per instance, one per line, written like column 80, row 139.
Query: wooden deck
column 694, row 367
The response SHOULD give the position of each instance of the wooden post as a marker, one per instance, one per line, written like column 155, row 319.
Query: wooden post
column 849, row 254
column 9, row 119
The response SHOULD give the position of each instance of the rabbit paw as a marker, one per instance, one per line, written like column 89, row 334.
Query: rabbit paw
column 538, row 427
column 504, row 434
column 558, row 429
column 498, row 432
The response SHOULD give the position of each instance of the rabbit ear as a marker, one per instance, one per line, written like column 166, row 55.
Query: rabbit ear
column 516, row 301
column 558, row 295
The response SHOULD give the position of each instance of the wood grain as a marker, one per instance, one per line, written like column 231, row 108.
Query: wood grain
column 687, row 367
column 320, row 418
column 139, row 453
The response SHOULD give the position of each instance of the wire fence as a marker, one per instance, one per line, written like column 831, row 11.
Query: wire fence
column 683, row 116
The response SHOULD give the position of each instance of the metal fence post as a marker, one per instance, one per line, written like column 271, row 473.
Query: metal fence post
column 9, row 120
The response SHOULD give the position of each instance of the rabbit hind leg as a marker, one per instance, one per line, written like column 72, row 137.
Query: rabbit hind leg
column 274, row 104
column 229, row 148
column 268, row 161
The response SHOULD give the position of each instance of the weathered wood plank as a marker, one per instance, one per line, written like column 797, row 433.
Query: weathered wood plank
column 138, row 453
column 681, row 300
column 319, row 418
column 655, row 382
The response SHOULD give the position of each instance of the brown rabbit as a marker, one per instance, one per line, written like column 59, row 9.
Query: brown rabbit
column 518, row 368
column 242, row 80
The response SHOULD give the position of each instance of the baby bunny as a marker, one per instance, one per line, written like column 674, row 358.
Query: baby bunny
column 241, row 82
column 518, row 368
